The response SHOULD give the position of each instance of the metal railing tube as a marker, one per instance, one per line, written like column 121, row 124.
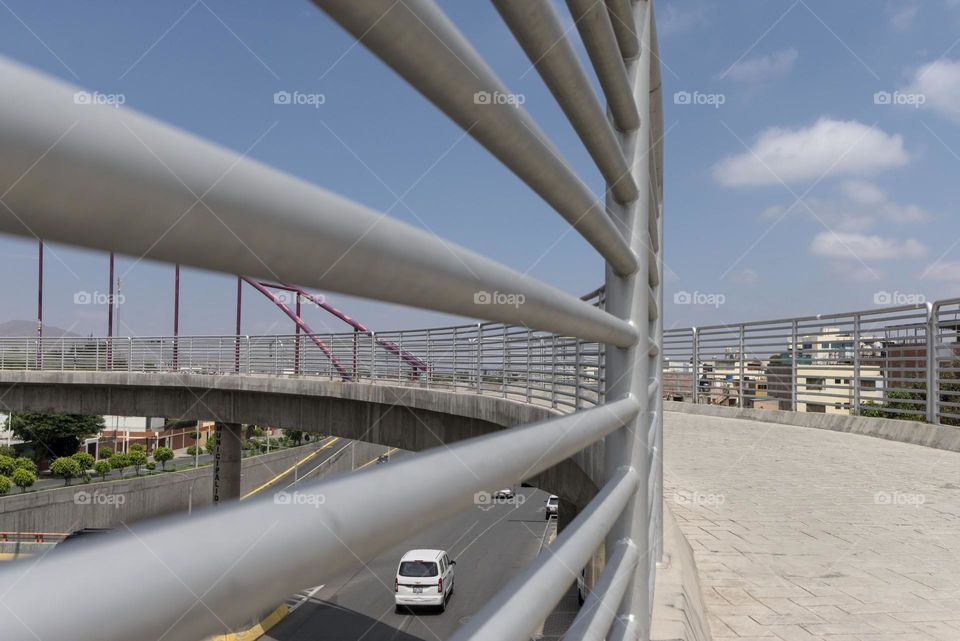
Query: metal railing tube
column 106, row 166
column 600, row 41
column 621, row 17
column 249, row 556
column 516, row 611
column 420, row 43
column 932, row 374
column 539, row 31
column 628, row 370
column 599, row 610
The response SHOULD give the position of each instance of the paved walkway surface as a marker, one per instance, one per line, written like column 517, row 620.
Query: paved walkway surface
column 803, row 534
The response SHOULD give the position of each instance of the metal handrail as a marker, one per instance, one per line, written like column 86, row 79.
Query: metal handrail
column 896, row 361
column 552, row 348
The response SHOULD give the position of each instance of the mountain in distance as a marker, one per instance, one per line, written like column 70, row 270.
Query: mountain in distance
column 24, row 328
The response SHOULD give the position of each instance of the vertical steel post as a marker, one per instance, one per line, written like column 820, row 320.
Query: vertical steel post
column 578, row 381
column 741, row 348
column 356, row 353
column 110, row 304
column 695, row 363
column 933, row 374
column 855, row 406
column 176, row 314
column 373, row 356
column 628, row 369
column 794, row 356
column 553, row 371
column 479, row 355
column 296, row 339
column 40, row 307
column 236, row 360
column 455, row 350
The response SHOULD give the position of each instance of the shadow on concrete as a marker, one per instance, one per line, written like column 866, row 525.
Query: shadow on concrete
column 327, row 621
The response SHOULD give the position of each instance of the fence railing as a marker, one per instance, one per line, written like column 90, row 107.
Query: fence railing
column 113, row 179
column 895, row 362
column 489, row 358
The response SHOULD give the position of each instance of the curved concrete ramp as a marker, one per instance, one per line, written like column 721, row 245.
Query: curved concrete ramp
column 802, row 533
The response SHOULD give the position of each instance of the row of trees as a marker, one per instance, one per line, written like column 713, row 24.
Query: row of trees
column 80, row 464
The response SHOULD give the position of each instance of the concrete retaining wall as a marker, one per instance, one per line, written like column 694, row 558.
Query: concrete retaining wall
column 942, row 437
column 679, row 611
column 110, row 504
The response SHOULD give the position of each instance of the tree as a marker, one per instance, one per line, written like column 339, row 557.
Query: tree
column 137, row 459
column 295, row 435
column 23, row 463
column 7, row 465
column 151, row 465
column 161, row 455
column 56, row 434
column 193, row 450
column 7, row 450
column 120, row 462
column 211, row 445
column 24, row 478
column 136, row 447
column 66, row 468
column 105, row 452
column 102, row 468
column 4, row 485
column 84, row 460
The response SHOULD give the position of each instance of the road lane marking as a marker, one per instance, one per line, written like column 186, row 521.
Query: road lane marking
column 291, row 468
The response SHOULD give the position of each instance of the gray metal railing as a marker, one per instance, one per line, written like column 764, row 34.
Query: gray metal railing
column 114, row 179
column 893, row 362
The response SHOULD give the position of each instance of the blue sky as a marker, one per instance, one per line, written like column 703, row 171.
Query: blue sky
column 791, row 188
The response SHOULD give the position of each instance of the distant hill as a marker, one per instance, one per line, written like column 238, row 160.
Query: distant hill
column 29, row 328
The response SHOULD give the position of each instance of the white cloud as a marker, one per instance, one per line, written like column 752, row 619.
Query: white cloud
column 902, row 14
column 826, row 148
column 860, row 246
column 939, row 83
column 762, row 68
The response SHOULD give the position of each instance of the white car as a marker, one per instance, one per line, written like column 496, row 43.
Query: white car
column 503, row 495
column 424, row 577
column 553, row 506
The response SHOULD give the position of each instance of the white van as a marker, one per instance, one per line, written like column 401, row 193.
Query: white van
column 424, row 577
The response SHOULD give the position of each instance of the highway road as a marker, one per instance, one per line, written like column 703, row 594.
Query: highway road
column 489, row 544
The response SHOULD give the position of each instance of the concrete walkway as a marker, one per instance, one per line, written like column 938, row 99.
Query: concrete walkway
column 803, row 534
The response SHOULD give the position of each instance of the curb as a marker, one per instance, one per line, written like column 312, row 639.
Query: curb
column 258, row 630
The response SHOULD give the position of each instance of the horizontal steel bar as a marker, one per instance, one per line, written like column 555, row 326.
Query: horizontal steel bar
column 537, row 28
column 516, row 611
column 420, row 43
column 600, row 41
column 599, row 609
column 198, row 204
column 256, row 549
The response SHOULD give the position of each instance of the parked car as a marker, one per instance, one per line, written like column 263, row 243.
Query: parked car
column 553, row 506
column 424, row 578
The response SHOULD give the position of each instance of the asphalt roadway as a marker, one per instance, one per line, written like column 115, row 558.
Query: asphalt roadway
column 490, row 545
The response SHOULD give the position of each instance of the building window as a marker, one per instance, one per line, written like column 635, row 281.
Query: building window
column 868, row 384
column 815, row 384
column 816, row 408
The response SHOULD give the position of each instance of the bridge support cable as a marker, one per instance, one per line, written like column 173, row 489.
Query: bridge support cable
column 538, row 29
column 628, row 370
column 245, row 215
column 344, row 374
column 516, row 611
column 250, row 556
column 419, row 42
